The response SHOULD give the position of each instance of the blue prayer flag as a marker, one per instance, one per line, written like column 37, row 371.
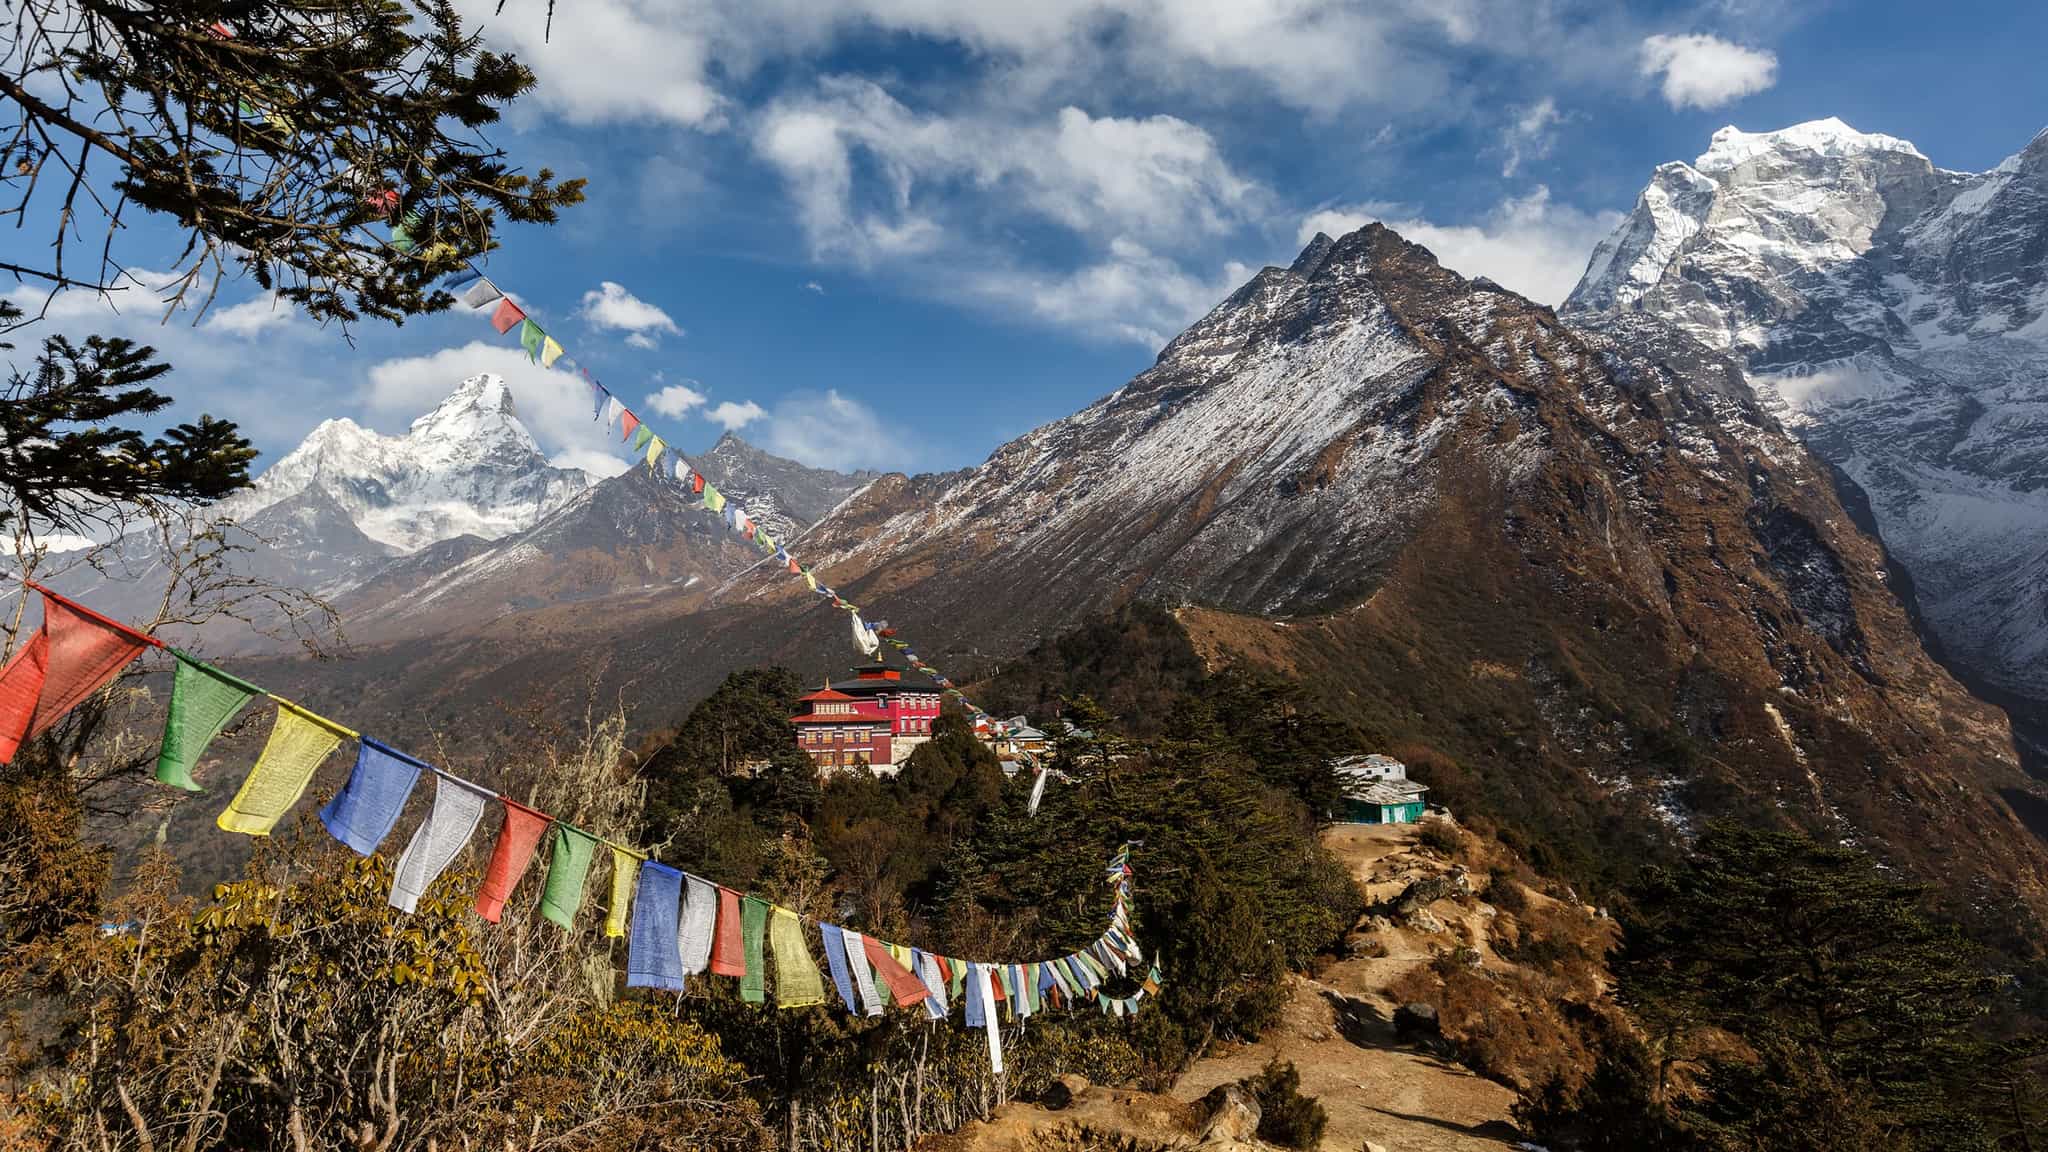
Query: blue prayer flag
column 362, row 813
column 974, row 1016
column 835, row 958
column 654, row 957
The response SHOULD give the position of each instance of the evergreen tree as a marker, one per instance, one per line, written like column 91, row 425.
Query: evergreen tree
column 272, row 133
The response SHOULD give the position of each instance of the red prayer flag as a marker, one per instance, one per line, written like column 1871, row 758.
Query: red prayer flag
column 697, row 482
column 630, row 422
column 517, row 838
column 508, row 315
column 728, row 956
column 907, row 989
column 70, row 657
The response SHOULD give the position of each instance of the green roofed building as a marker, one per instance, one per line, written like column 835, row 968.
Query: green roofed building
column 1377, row 791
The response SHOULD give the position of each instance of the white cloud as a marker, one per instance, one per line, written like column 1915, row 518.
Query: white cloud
column 1531, row 135
column 1155, row 178
column 257, row 314
column 814, row 286
column 675, row 401
column 554, row 405
column 1133, row 295
column 1704, row 71
column 1528, row 244
column 735, row 416
column 630, row 60
column 610, row 306
column 830, row 431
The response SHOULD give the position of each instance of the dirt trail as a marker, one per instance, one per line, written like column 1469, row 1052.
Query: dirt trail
column 1338, row 1030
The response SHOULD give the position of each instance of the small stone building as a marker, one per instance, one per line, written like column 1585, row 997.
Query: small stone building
column 1377, row 791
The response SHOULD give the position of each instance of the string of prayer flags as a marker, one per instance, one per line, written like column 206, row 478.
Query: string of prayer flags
column 203, row 701
column 797, row 982
column 569, row 861
column 363, row 813
column 299, row 741
column 458, row 807
column 699, row 926
column 518, row 836
column 73, row 655
column 728, row 956
column 625, row 867
column 753, row 929
column 654, row 957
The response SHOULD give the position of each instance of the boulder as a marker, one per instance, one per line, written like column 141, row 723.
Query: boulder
column 1372, row 1147
column 1233, row 1116
column 1423, row 920
column 1062, row 1093
column 1416, row 1021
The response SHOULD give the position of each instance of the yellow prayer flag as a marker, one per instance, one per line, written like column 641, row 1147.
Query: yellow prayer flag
column 298, row 742
column 654, row 448
column 625, row 870
column 810, row 580
column 549, row 352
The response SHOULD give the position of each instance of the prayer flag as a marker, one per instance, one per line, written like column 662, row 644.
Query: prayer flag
column 988, row 1020
column 958, row 975
column 438, row 840
column 902, row 984
column 753, row 930
column 508, row 316
column 401, row 236
column 654, row 958
column 298, row 742
column 598, row 396
column 835, row 959
column 461, row 278
column 700, row 922
column 480, row 293
column 631, row 422
column 797, row 982
column 973, row 995
column 714, row 499
column 654, row 447
column 927, row 969
column 518, row 836
column 70, row 657
column 696, row 483
column 728, row 958
column 530, row 338
column 625, row 866
column 863, row 974
column 568, row 868
column 203, row 701
column 550, row 352
column 362, row 814
column 810, row 580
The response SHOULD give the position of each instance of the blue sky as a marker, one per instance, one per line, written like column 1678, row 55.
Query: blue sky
column 896, row 233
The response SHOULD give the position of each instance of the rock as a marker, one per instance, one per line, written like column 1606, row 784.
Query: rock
column 1233, row 1115
column 1416, row 1020
column 1379, row 923
column 1372, row 1147
column 1422, row 920
column 1062, row 1093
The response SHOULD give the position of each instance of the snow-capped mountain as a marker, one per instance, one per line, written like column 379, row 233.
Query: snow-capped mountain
column 1895, row 315
column 467, row 468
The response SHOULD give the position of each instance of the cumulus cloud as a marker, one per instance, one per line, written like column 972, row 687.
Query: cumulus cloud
column 735, row 416
column 252, row 316
column 554, row 405
column 610, row 306
column 1702, row 71
column 627, row 60
column 1529, row 244
column 830, row 431
column 676, row 400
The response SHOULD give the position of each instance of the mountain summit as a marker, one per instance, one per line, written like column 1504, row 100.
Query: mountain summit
column 1895, row 315
column 467, row 468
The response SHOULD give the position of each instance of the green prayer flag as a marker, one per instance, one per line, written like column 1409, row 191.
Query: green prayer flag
column 568, row 869
column 959, row 981
column 641, row 436
column 530, row 338
column 753, row 926
column 203, row 700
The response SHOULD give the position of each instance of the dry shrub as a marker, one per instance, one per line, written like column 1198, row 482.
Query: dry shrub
column 1508, row 1027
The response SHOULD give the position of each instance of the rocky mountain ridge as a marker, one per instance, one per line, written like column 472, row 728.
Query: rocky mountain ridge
column 1895, row 316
